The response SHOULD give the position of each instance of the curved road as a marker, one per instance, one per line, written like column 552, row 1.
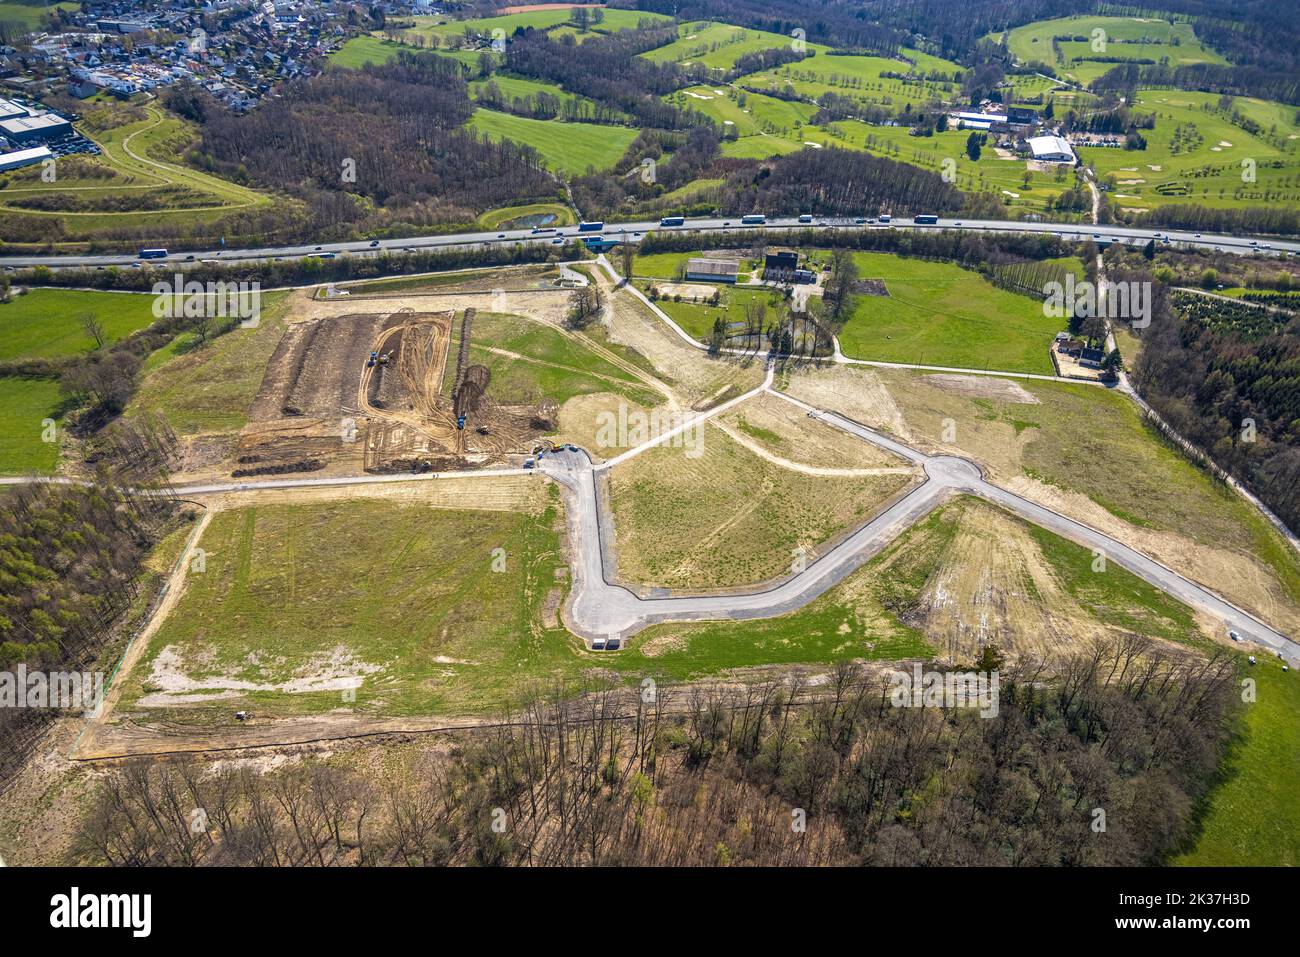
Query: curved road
column 635, row 230
column 597, row 608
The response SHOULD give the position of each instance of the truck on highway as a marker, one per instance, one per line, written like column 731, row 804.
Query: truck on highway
column 805, row 218
column 593, row 227
column 885, row 217
column 153, row 254
column 673, row 221
column 926, row 219
column 756, row 219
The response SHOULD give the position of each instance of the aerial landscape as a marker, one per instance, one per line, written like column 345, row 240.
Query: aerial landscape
column 692, row 434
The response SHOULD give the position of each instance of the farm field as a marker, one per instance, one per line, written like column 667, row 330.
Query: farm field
column 1128, row 38
column 712, row 514
column 1195, row 155
column 25, row 404
column 570, row 148
column 46, row 324
column 941, row 314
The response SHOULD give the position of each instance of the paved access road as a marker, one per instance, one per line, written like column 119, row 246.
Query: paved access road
column 634, row 231
column 597, row 608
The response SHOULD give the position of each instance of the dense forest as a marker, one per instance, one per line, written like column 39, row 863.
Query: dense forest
column 70, row 565
column 1227, row 376
column 1096, row 759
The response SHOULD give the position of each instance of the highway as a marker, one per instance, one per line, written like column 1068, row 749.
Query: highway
column 634, row 232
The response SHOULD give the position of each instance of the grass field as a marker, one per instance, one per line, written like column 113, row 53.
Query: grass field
column 862, row 78
column 45, row 323
column 516, row 87
column 1128, row 38
column 1091, row 443
column 297, row 598
column 210, row 389
column 712, row 514
column 31, row 14
column 542, row 363
column 25, row 404
column 714, row 45
column 1252, row 817
column 502, row 218
column 698, row 318
column 571, row 148
column 941, row 314
column 1195, row 155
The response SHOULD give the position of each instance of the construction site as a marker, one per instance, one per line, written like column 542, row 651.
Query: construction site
column 376, row 392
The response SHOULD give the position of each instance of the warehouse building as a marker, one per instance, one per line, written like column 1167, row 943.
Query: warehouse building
column 712, row 270
column 10, row 110
column 1050, row 149
column 20, row 158
column 34, row 129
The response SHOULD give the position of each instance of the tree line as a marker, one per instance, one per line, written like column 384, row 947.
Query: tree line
column 1230, row 383
column 1097, row 758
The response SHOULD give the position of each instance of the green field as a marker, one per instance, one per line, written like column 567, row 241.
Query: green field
column 531, row 361
column 714, row 45
column 1195, row 155
column 698, row 318
column 1126, row 38
column 46, row 324
column 31, row 14
column 571, row 148
column 25, row 404
column 513, row 88
column 210, row 388
column 861, row 78
column 940, row 314
column 1252, row 818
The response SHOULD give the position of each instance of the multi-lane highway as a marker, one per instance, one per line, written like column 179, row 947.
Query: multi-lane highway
column 635, row 231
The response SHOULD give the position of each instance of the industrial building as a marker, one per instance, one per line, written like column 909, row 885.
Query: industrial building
column 712, row 270
column 10, row 110
column 29, row 129
column 20, row 158
column 1050, row 149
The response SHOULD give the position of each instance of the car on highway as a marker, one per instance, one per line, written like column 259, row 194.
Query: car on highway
column 1233, row 635
column 374, row 242
column 501, row 235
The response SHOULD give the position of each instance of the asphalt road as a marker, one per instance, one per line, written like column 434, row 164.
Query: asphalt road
column 598, row 608
column 634, row 231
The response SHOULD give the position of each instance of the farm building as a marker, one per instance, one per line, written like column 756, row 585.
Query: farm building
column 712, row 270
column 783, row 266
column 1050, row 149
column 20, row 158
column 1021, row 116
column 977, row 121
column 26, row 129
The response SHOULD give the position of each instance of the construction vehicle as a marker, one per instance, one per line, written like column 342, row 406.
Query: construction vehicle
column 383, row 360
column 530, row 463
column 460, row 422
